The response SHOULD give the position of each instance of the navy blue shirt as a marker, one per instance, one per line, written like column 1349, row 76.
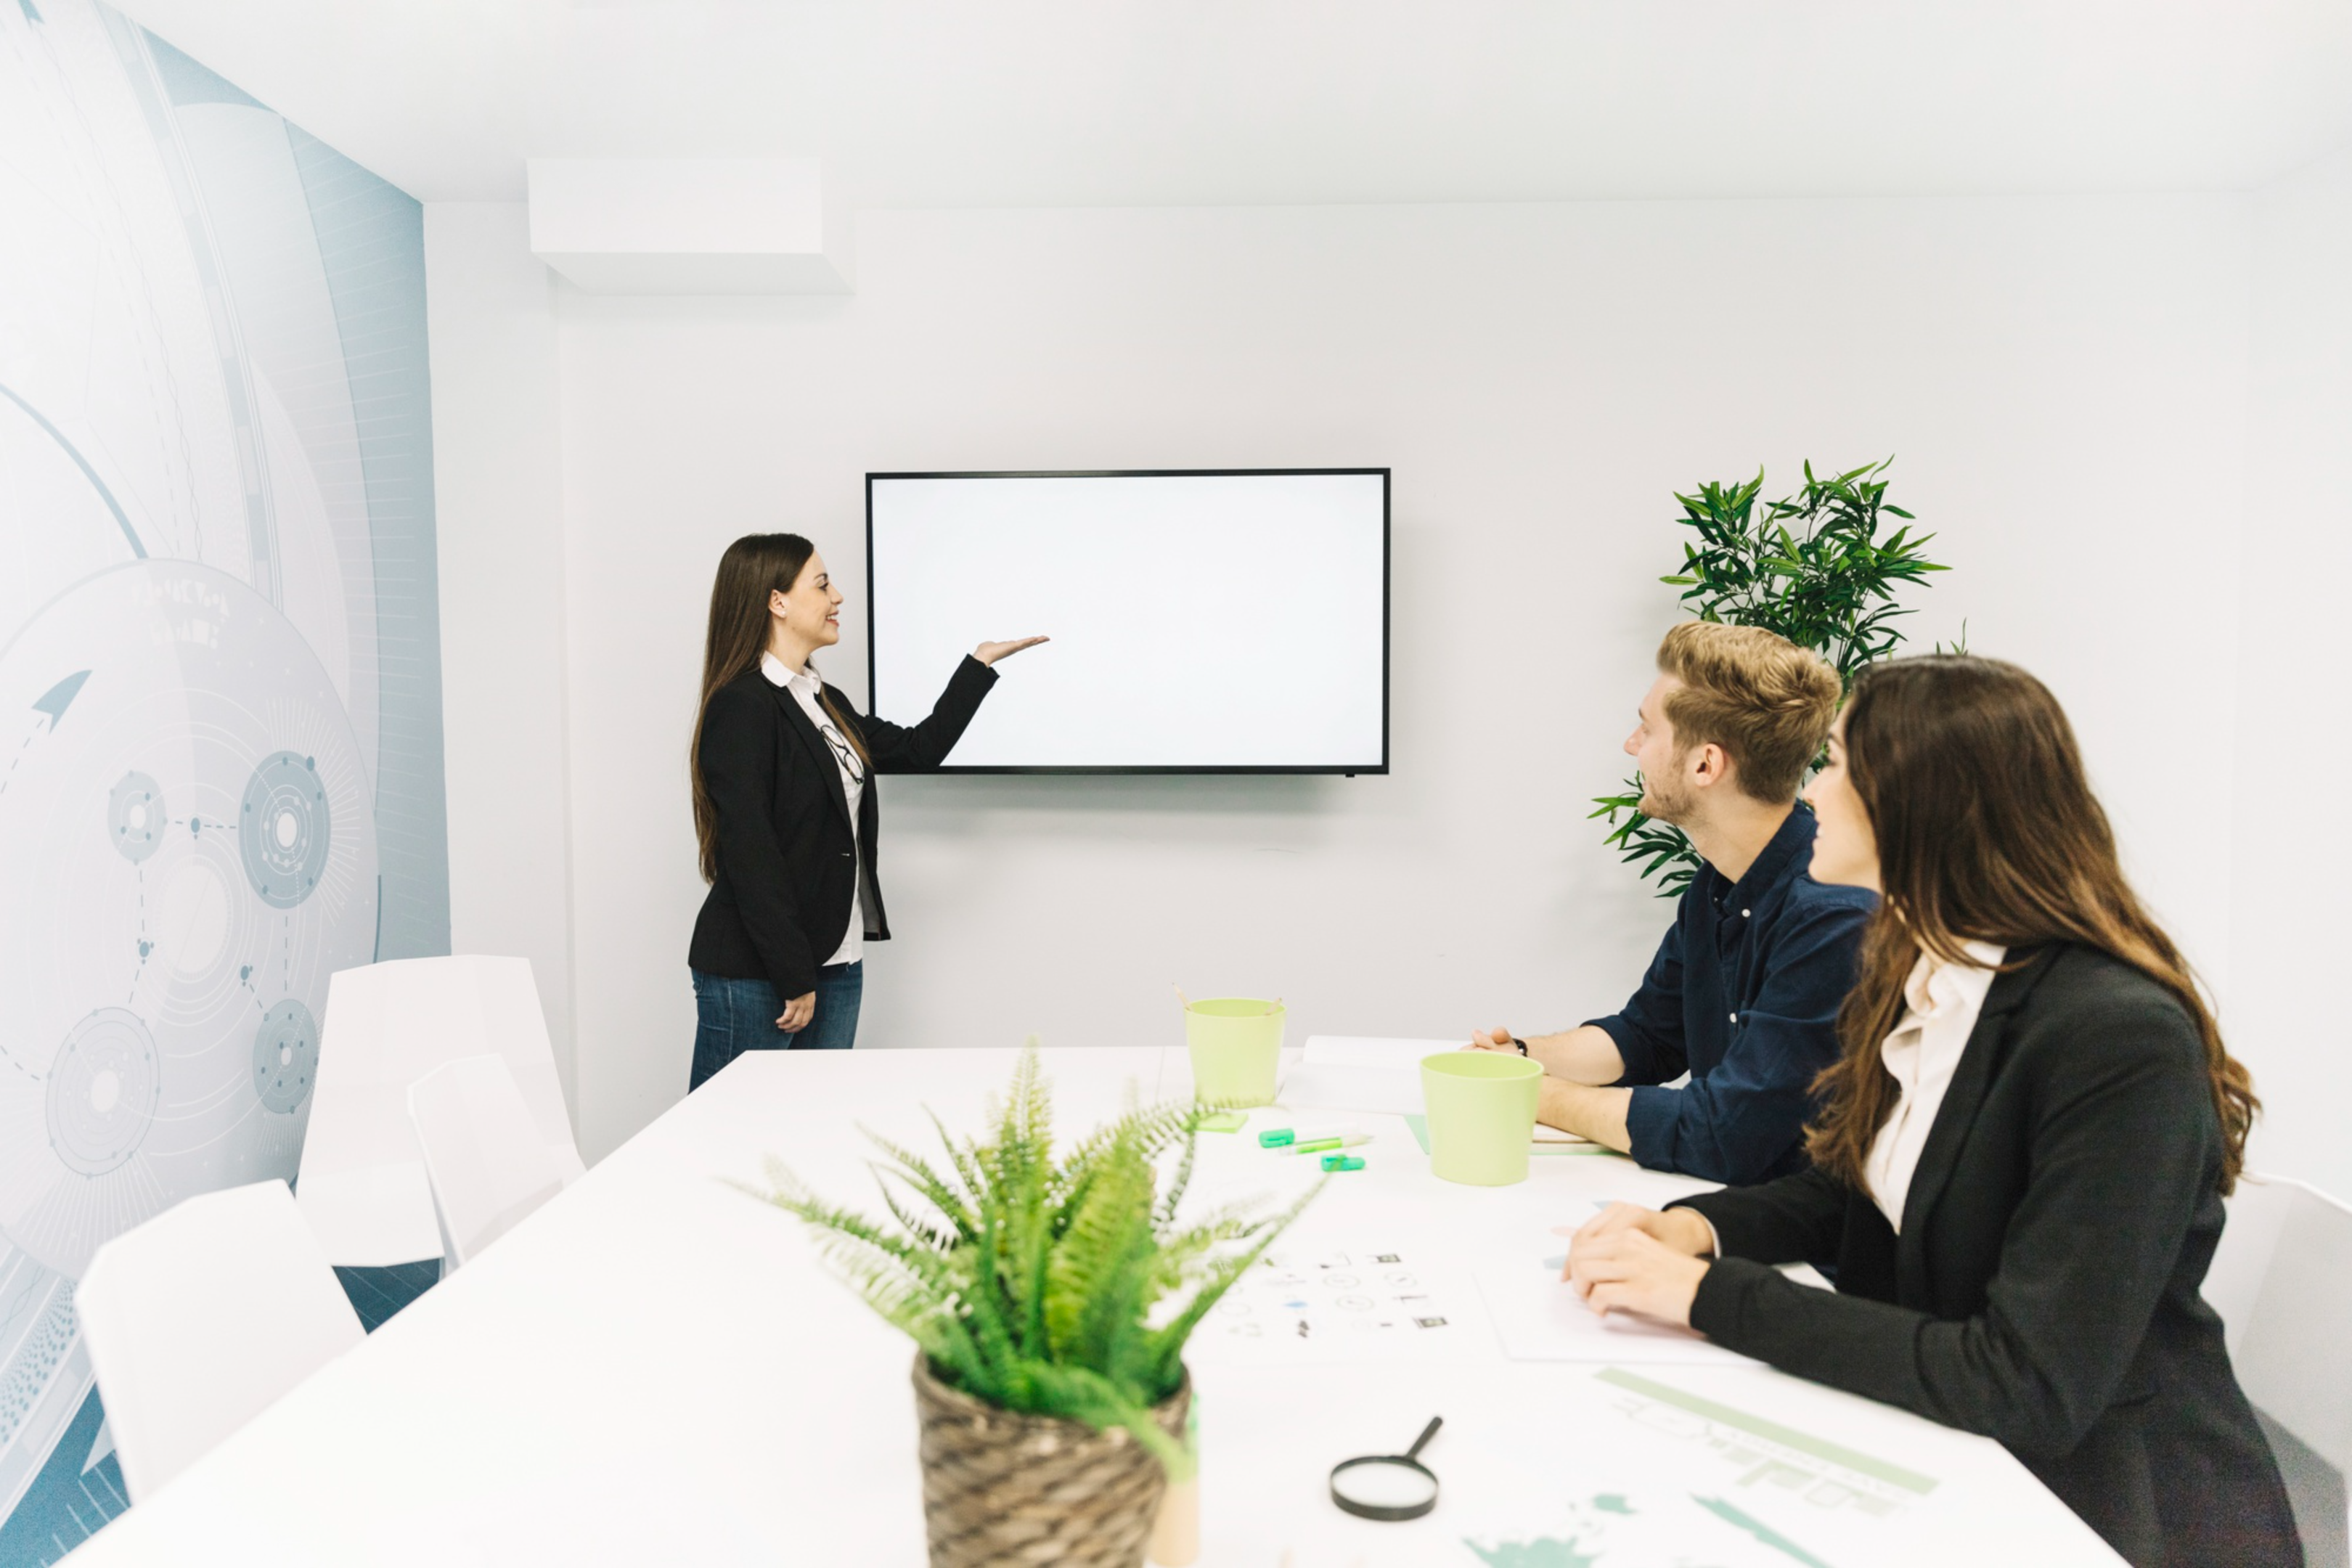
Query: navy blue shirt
column 1744, row 996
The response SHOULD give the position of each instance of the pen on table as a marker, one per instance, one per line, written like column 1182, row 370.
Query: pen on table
column 1286, row 1137
column 1320, row 1146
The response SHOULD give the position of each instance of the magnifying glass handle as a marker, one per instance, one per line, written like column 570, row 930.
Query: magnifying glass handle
column 1426, row 1433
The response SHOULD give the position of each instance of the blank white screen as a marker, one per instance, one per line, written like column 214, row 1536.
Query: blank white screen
column 1199, row 620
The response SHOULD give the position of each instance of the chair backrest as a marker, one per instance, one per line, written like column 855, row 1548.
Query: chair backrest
column 362, row 1185
column 2281, row 1280
column 202, row 1318
column 482, row 1153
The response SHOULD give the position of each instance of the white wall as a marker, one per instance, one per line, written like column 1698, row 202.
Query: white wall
column 2286, row 1014
column 498, row 473
column 2063, row 381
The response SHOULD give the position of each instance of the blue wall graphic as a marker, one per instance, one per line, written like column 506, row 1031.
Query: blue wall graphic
column 220, row 724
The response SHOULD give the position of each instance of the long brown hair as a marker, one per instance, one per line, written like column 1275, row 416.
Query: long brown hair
column 1986, row 831
column 754, row 567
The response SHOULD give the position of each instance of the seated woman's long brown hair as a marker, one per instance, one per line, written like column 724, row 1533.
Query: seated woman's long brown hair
column 1987, row 831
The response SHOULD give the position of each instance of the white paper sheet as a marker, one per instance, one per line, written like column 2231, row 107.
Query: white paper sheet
column 1373, row 1051
column 1357, row 1301
column 1385, row 1091
column 1538, row 1317
column 1365, row 1072
column 1359, row 1072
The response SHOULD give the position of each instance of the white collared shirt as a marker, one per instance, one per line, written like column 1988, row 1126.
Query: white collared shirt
column 1944, row 1000
column 806, row 688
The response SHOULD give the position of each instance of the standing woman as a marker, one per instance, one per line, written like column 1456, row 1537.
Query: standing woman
column 2019, row 1169
column 785, row 810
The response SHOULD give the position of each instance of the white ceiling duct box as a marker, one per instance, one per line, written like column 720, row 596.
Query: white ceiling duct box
column 689, row 225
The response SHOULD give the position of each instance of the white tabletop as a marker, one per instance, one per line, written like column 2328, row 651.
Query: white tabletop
column 656, row 1368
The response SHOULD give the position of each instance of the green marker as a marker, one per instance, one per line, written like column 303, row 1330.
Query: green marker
column 1317, row 1138
column 1342, row 1162
column 1337, row 1140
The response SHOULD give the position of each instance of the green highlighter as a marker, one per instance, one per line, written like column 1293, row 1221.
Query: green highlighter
column 1288, row 1140
column 1324, row 1145
column 1342, row 1162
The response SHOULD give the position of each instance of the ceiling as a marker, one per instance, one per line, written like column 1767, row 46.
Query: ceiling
column 1180, row 102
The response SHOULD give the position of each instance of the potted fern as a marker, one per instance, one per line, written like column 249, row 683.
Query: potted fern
column 1049, row 1300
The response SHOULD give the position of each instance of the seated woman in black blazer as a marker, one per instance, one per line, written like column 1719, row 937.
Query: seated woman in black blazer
column 784, row 811
column 2019, row 1168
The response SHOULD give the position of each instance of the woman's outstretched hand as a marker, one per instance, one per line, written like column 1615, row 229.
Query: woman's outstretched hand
column 989, row 652
column 1635, row 1259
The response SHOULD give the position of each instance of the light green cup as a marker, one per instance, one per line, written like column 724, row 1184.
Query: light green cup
column 1236, row 1045
column 1482, row 1115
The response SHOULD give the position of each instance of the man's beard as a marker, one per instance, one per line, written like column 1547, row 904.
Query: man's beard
column 1664, row 802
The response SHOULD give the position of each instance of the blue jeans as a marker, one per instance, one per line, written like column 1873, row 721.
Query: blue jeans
column 732, row 1016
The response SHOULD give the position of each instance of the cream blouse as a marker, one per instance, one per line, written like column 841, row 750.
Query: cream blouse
column 1922, row 1052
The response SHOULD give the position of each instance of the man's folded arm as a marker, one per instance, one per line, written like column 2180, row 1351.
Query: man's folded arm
column 1740, row 1121
column 1648, row 1029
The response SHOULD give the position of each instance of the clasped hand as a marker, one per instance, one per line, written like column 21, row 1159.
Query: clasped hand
column 1632, row 1259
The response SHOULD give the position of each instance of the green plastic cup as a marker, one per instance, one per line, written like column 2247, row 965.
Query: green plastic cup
column 1482, row 1115
column 1235, row 1044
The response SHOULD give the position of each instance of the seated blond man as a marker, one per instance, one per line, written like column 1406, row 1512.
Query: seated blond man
column 1744, row 993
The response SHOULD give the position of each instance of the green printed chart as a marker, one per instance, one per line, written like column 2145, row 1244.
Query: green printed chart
column 1753, row 1493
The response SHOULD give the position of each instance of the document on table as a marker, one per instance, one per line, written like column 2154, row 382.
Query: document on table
column 1357, row 1301
column 1635, row 1472
column 1346, row 1072
column 1361, row 1072
column 1374, row 1051
column 1598, row 1521
column 1538, row 1317
column 1604, row 1527
column 1350, row 1072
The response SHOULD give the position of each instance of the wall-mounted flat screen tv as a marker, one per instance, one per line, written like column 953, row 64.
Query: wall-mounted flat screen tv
column 1202, row 622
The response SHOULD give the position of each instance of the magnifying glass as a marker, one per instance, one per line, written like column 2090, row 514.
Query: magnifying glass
column 1388, row 1485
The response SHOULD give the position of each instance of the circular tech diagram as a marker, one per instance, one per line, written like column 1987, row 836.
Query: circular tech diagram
column 103, row 1088
column 286, row 1056
column 284, row 828
column 135, row 816
column 146, row 709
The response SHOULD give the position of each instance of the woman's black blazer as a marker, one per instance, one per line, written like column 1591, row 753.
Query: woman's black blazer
column 787, row 861
column 2044, row 1288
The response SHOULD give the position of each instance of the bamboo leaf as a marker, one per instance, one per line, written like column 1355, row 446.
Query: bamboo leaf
column 1810, row 566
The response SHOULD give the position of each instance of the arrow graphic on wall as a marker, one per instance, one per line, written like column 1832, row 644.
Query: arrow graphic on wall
column 52, row 703
column 58, row 698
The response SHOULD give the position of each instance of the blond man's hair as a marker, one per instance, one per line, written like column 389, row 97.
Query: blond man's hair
column 1766, row 701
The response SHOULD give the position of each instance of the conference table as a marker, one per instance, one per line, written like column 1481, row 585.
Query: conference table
column 658, row 1367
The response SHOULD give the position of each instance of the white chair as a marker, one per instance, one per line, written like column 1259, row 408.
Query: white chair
column 2281, row 1280
column 362, row 1185
column 482, row 1153
column 201, row 1319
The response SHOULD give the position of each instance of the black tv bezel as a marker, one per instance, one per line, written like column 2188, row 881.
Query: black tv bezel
column 1300, row 770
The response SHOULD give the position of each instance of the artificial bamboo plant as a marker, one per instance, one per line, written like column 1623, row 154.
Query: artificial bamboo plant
column 1065, row 1288
column 1812, row 567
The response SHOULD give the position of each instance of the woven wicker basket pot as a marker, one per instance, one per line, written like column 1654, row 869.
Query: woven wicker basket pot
column 1002, row 1490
